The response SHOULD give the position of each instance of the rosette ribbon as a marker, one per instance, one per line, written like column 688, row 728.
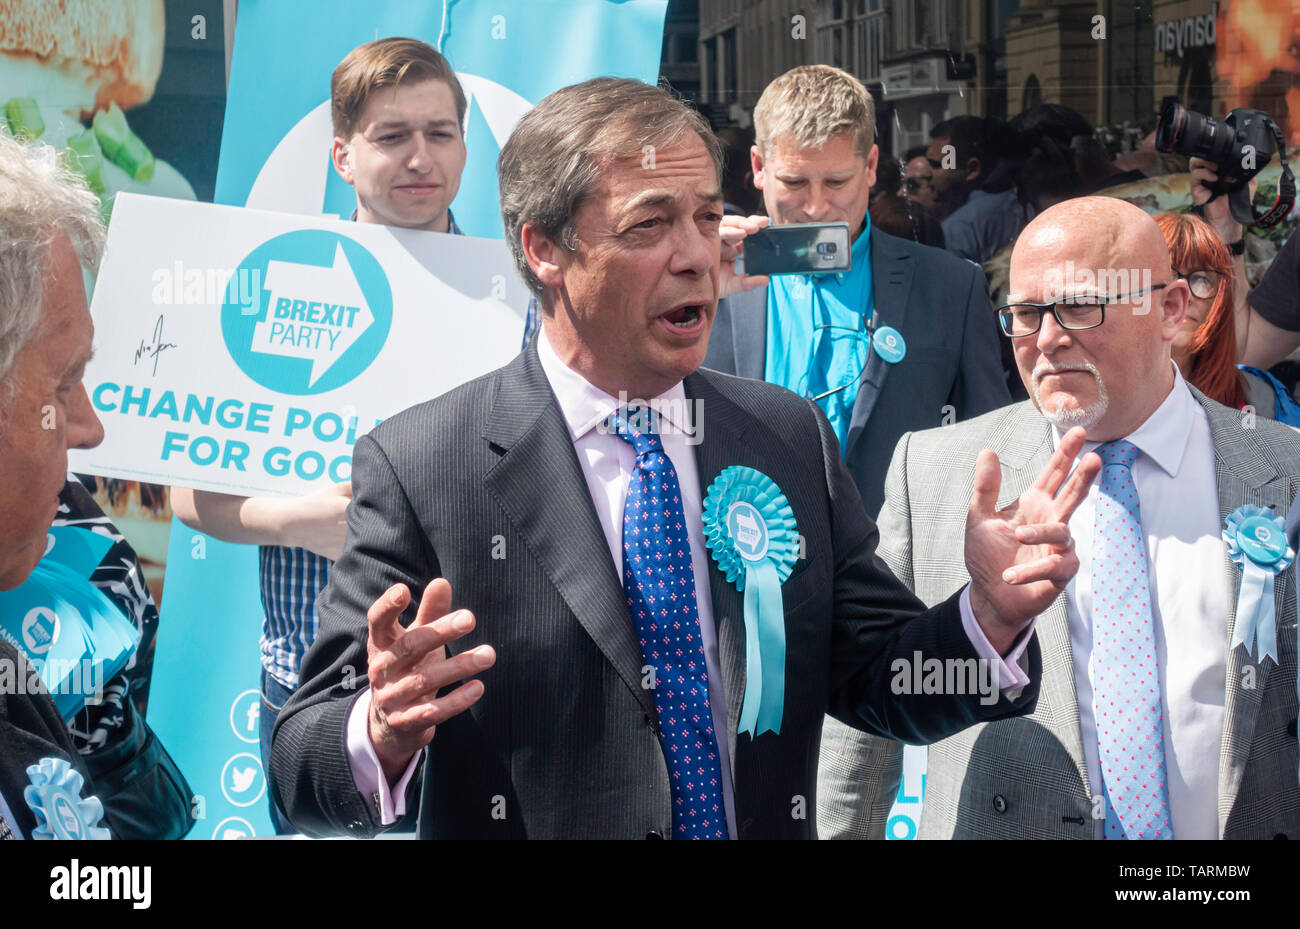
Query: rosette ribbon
column 54, row 795
column 1256, row 540
column 750, row 530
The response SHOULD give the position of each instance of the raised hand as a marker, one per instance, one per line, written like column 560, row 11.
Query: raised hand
column 1202, row 174
column 1021, row 557
column 733, row 231
column 408, row 666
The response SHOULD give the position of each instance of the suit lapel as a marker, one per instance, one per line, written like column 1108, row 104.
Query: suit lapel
column 1244, row 476
column 891, row 280
column 726, row 428
column 727, row 602
column 1025, row 450
column 561, row 529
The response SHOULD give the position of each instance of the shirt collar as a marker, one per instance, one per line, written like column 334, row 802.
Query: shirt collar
column 585, row 406
column 1164, row 435
column 452, row 228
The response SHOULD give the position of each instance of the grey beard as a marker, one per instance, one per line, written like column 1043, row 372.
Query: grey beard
column 1085, row 416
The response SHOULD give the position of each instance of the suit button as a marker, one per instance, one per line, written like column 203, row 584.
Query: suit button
column 999, row 803
column 653, row 834
column 1290, row 729
column 1280, row 835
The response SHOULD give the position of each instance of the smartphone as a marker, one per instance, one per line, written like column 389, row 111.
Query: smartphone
column 802, row 248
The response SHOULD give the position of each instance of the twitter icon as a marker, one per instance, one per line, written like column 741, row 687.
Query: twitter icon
column 242, row 780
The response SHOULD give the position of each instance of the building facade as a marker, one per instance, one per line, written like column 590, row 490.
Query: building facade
column 1114, row 61
column 923, row 60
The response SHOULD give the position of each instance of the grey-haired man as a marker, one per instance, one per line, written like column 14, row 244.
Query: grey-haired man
column 49, row 223
column 523, row 497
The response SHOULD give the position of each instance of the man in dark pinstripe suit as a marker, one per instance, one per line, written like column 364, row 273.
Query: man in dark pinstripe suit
column 509, row 494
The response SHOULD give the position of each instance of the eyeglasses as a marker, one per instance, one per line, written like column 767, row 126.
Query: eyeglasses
column 1084, row 311
column 1203, row 284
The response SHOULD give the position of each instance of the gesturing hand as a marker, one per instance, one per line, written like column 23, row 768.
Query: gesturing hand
column 1021, row 557
column 408, row 666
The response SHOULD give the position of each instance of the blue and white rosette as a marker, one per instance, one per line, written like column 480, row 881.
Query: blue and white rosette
column 54, row 795
column 750, row 529
column 1256, row 540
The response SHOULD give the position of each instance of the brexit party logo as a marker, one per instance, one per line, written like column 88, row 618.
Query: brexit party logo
column 322, row 317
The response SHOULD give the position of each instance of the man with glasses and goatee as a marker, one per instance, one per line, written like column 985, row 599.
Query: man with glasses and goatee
column 1160, row 715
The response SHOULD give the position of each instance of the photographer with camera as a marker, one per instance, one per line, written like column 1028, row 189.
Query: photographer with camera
column 1214, row 210
column 1224, row 158
column 1274, row 310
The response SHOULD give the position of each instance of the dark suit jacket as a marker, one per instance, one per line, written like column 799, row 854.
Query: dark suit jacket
column 30, row 729
column 941, row 306
column 564, row 741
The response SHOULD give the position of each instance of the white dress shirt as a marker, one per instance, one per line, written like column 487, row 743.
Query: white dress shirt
column 1179, row 498
column 607, row 463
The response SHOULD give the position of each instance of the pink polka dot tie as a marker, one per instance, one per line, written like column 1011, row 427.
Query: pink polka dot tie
column 659, row 584
column 1125, row 675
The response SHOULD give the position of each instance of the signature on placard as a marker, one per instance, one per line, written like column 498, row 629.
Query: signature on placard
column 155, row 348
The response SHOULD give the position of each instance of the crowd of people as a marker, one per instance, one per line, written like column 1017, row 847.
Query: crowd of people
column 615, row 675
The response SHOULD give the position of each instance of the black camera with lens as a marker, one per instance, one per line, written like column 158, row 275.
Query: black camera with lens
column 1241, row 146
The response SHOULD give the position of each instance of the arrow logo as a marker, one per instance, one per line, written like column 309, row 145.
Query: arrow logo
column 314, row 313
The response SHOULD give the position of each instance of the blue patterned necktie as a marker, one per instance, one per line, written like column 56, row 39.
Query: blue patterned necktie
column 659, row 584
column 1126, row 677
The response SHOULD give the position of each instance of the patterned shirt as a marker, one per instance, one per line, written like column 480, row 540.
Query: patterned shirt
column 119, row 577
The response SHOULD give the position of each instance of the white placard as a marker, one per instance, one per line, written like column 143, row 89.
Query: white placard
column 242, row 351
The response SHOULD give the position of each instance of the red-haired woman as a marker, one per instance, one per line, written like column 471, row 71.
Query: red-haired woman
column 1205, row 349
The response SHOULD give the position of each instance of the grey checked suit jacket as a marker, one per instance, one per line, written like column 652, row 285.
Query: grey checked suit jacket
column 1035, row 764
column 564, row 741
column 940, row 304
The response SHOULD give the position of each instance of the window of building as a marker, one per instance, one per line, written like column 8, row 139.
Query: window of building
column 1033, row 93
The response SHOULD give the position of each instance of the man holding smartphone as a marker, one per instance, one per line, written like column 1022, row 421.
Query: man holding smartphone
column 905, row 339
